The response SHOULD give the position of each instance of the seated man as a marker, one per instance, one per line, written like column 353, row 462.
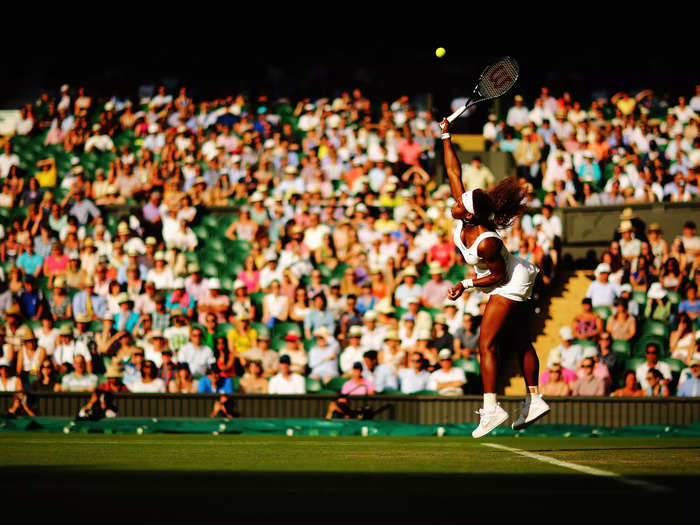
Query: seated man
column 447, row 380
column 79, row 380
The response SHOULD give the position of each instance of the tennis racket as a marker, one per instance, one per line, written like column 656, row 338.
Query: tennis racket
column 495, row 80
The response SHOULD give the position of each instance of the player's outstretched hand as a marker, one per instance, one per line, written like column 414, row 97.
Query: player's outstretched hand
column 444, row 125
column 454, row 292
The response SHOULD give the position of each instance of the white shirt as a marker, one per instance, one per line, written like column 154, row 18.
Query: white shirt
column 157, row 386
column 48, row 341
column 293, row 384
column 440, row 376
column 642, row 370
column 518, row 116
column 162, row 280
column 350, row 356
column 66, row 353
column 275, row 305
column 6, row 162
column 199, row 358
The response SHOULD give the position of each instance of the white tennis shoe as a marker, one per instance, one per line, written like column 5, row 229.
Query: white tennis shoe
column 489, row 419
column 532, row 409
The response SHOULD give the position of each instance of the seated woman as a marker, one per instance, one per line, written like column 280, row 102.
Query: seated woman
column 631, row 388
column 682, row 344
column 60, row 304
column 253, row 382
column 621, row 325
column 555, row 385
column 587, row 324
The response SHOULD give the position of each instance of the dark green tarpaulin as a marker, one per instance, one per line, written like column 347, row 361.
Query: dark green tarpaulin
column 324, row 427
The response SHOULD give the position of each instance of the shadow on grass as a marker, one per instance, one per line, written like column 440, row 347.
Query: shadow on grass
column 257, row 494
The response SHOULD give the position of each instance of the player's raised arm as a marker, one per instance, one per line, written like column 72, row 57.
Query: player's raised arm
column 453, row 170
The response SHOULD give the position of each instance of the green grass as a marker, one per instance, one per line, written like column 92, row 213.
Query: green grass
column 269, row 474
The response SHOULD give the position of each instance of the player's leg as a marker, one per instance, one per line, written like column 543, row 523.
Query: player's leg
column 534, row 407
column 496, row 315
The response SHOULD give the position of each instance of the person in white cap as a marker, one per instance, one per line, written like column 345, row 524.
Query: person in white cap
column 215, row 302
column 323, row 356
column 447, row 380
column 507, row 279
column 354, row 351
column 160, row 274
column 601, row 291
column 570, row 354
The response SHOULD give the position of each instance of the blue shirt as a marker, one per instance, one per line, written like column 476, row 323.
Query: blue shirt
column 99, row 304
column 83, row 210
column 225, row 386
column 30, row 263
column 121, row 272
column 413, row 382
column 690, row 388
column 383, row 377
column 316, row 319
column 320, row 367
column 689, row 308
column 127, row 324
column 30, row 302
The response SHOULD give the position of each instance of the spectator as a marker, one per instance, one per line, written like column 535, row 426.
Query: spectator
column 8, row 382
column 435, row 290
column 323, row 357
column 621, row 325
column 275, row 306
column 357, row 384
column 690, row 306
column 588, row 384
column 216, row 303
column 587, row 324
column 652, row 355
column 658, row 307
column 46, row 378
column 67, row 349
column 682, row 343
column 80, row 380
column 691, row 386
column 630, row 388
column 657, row 387
column 214, row 383
column 149, row 381
column 196, row 354
column 555, row 385
column 184, row 383
column 477, row 175
column 381, row 375
column 447, row 380
column 296, row 352
column 286, row 381
column 601, row 291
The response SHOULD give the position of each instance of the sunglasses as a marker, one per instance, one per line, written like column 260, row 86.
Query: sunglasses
column 652, row 353
column 586, row 366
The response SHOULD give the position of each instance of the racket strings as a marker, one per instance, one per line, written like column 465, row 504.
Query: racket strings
column 499, row 78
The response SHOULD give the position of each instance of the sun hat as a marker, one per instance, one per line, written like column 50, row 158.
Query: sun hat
column 625, row 226
column 440, row 319
column 627, row 214
column 113, row 372
column 602, row 268
column 214, row 284
column 66, row 329
column 370, row 315
column 656, row 291
column 238, row 284
column 29, row 336
column 322, row 332
column 392, row 335
column 566, row 333
column 435, row 268
column 445, row 354
column 156, row 334
column 82, row 318
column 355, row 331
column 423, row 335
column 654, row 227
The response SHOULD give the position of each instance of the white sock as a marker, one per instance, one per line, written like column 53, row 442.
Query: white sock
column 489, row 401
column 533, row 391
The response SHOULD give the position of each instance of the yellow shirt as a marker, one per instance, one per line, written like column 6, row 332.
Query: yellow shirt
column 387, row 201
column 242, row 343
column 626, row 106
column 46, row 178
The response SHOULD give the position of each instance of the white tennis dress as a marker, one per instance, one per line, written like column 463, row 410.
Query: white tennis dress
column 520, row 274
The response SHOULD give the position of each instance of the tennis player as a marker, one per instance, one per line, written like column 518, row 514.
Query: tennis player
column 507, row 279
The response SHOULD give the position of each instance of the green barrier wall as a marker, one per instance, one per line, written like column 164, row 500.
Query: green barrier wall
column 430, row 410
column 323, row 427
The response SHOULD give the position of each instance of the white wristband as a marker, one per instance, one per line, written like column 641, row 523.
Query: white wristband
column 445, row 136
column 468, row 284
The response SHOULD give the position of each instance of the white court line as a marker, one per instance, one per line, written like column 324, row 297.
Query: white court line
column 582, row 468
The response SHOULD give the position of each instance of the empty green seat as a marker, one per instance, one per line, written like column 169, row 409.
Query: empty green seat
column 641, row 345
column 336, row 384
column 468, row 365
column 603, row 311
column 426, row 393
column 652, row 327
column 676, row 365
column 585, row 343
column 622, row 348
column 313, row 386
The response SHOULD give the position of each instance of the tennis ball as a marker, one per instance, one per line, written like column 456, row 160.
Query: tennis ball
column 440, row 51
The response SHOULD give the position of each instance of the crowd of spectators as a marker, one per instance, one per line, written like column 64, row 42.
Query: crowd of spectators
column 327, row 264
column 637, row 331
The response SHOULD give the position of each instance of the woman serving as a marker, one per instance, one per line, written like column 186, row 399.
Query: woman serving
column 507, row 279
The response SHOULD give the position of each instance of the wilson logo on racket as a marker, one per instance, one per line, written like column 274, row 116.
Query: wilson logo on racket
column 499, row 77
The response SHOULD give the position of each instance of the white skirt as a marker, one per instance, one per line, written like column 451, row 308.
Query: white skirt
column 519, row 281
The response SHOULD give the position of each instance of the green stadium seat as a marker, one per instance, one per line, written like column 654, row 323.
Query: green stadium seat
column 336, row 384
column 426, row 393
column 313, row 386
column 641, row 344
column 468, row 365
column 640, row 298
column 631, row 363
column 283, row 328
column 651, row 327
column 676, row 365
column 674, row 297
column 585, row 343
column 432, row 311
column 456, row 273
column 392, row 392
column 622, row 348
column 603, row 311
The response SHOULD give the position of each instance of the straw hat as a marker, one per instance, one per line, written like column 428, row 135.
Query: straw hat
column 627, row 214
column 625, row 226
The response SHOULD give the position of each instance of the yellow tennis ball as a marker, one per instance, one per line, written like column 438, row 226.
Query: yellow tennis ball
column 439, row 52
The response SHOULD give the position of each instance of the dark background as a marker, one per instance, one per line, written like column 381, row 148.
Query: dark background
column 314, row 57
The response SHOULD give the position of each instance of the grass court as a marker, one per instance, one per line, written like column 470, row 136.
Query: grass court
column 267, row 475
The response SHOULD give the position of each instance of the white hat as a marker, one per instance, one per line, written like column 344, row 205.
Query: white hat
column 566, row 333
column 370, row 315
column 627, row 287
column 355, row 331
column 602, row 268
column 178, row 283
column 322, row 332
column 435, row 267
column 238, row 284
column 590, row 352
column 153, row 128
column 554, row 357
column 214, row 284
column 445, row 354
column 423, row 335
column 656, row 291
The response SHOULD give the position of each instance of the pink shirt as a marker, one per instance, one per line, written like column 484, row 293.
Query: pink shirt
column 251, row 283
column 434, row 294
column 357, row 390
column 56, row 264
column 409, row 152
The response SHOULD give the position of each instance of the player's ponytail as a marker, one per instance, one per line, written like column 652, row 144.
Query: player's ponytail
column 501, row 206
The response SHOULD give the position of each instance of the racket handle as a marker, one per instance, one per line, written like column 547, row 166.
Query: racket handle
column 459, row 111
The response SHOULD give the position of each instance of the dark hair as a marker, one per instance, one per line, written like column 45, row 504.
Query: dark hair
column 505, row 202
column 655, row 373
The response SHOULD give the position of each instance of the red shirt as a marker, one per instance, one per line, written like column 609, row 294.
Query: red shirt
column 409, row 152
column 441, row 253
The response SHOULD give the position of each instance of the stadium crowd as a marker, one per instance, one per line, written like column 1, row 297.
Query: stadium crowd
column 163, row 245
